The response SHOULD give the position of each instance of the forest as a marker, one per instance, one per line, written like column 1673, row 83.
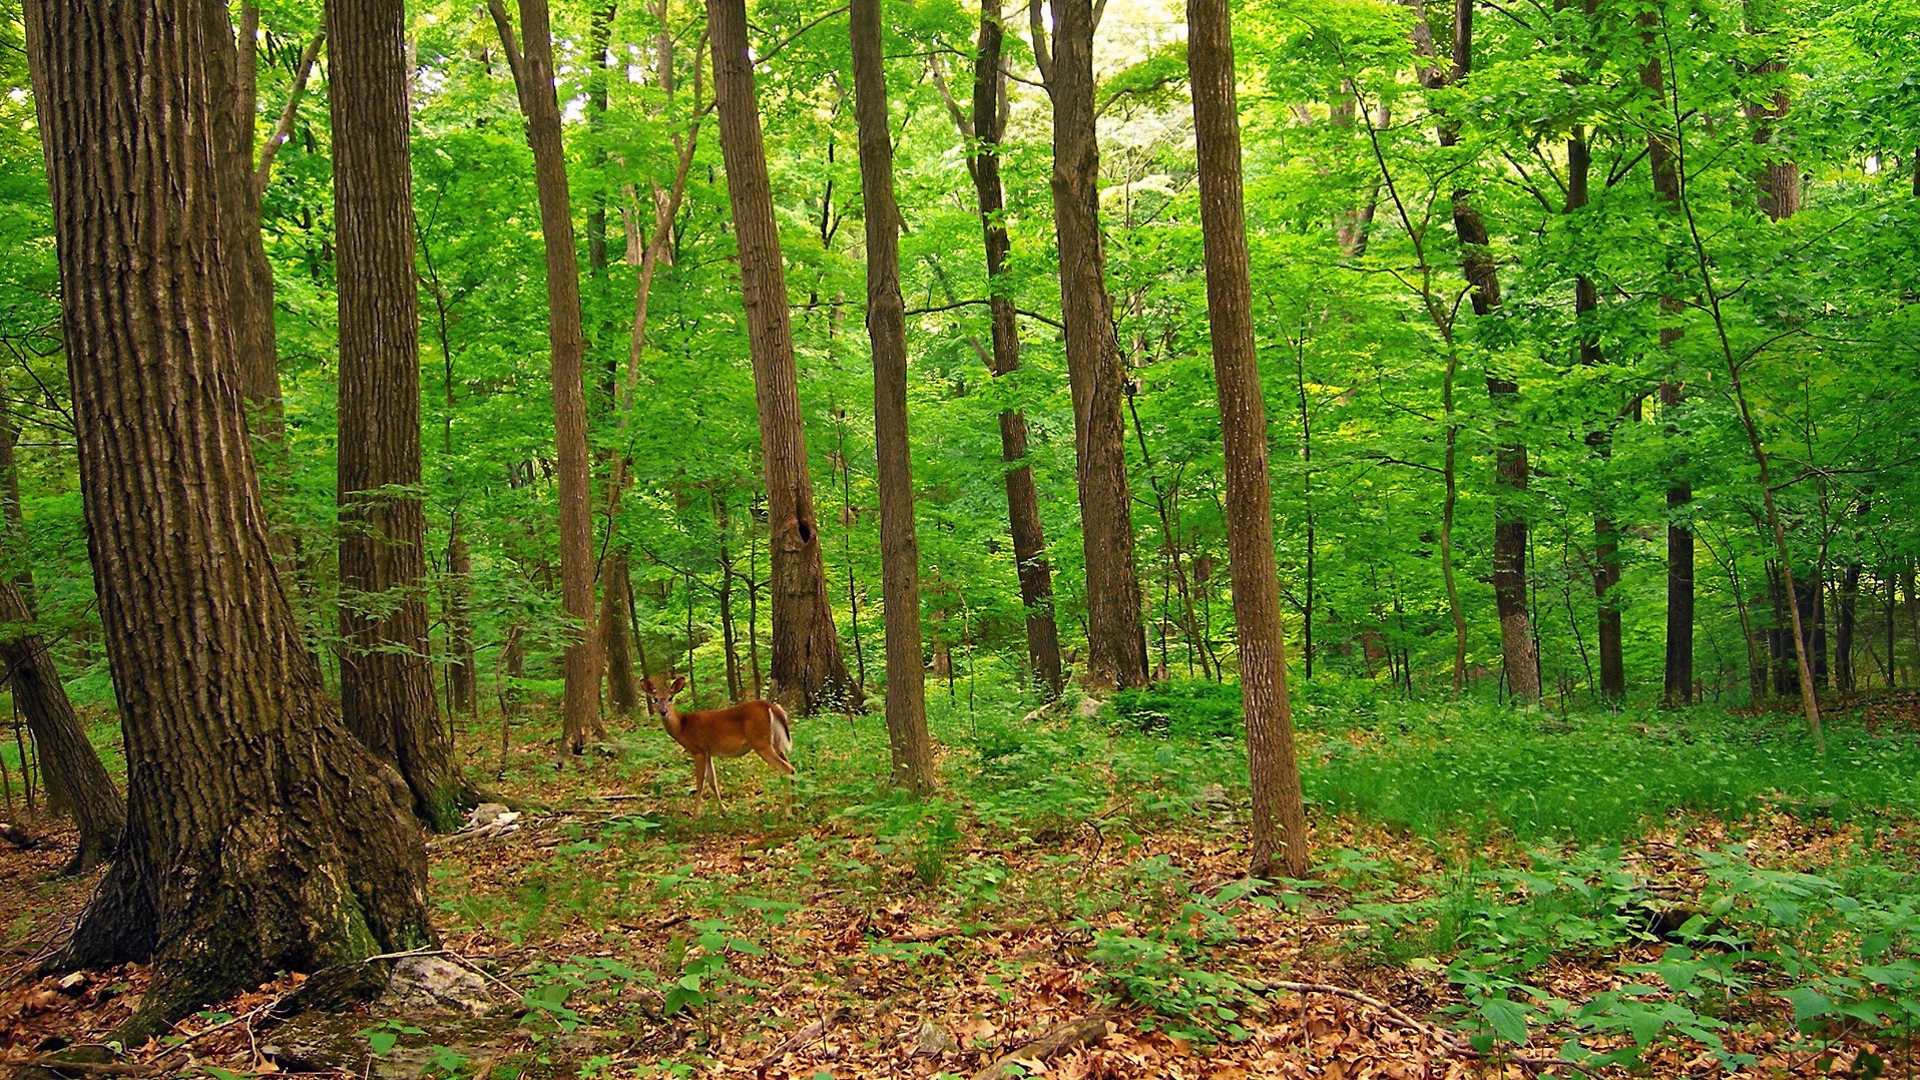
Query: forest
column 1334, row 539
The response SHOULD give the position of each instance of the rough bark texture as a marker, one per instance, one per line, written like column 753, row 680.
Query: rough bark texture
column 808, row 672
column 261, row 836
column 907, row 736
column 1677, row 679
column 249, row 276
column 77, row 784
column 1023, row 501
column 386, row 670
column 532, row 64
column 1279, row 843
column 1116, row 638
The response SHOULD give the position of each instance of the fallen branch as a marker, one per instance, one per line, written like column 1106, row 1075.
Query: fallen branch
column 800, row 1039
column 55, row 1064
column 1454, row 1045
column 1061, row 1038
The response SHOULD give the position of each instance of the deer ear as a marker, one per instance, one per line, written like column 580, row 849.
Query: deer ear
column 647, row 685
column 679, row 684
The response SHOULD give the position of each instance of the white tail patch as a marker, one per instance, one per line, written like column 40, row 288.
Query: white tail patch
column 782, row 733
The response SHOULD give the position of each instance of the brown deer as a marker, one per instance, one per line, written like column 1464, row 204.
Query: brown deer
column 759, row 726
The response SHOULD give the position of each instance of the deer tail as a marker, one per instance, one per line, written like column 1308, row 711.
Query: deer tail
column 782, row 731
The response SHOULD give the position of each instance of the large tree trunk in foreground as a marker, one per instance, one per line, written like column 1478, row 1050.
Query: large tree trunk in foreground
column 532, row 64
column 1116, row 639
column 77, row 784
column 261, row 836
column 887, row 330
column 1275, row 773
column 808, row 672
column 1023, row 502
column 386, row 669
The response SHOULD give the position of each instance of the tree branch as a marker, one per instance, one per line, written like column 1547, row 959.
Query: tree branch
column 283, row 130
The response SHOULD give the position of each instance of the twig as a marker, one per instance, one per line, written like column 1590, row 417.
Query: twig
column 453, row 956
column 800, row 1039
column 1061, row 1037
column 1454, row 1045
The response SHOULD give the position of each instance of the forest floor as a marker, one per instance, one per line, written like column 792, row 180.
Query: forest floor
column 1654, row 894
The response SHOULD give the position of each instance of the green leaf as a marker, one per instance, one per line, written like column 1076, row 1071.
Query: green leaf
column 1508, row 1019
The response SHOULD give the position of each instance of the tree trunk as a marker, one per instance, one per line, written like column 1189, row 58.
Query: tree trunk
column 808, row 672
column 532, row 64
column 77, row 784
column 261, row 836
column 462, row 666
column 1279, row 845
column 1843, row 679
column 250, row 291
column 907, row 738
column 1116, row 639
column 1519, row 658
column 386, row 671
column 1023, row 503
column 1677, row 689
column 1606, row 538
column 616, row 597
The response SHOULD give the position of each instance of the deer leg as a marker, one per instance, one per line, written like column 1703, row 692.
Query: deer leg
column 713, row 781
column 781, row 767
column 700, row 764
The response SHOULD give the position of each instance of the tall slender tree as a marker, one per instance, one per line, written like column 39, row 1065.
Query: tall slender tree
column 1279, row 811
column 808, row 671
column 531, row 60
column 1677, row 671
column 1519, row 656
column 386, row 671
column 261, row 836
column 1606, row 539
column 1116, row 638
column 907, row 736
column 984, row 131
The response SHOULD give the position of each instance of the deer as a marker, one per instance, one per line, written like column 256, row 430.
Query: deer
column 758, row 726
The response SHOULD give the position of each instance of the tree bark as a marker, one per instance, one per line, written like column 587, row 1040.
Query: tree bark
column 77, row 784
column 1023, row 502
column 1520, row 660
column 1279, row 842
column 532, row 64
column 907, row 738
column 1677, row 689
column 261, row 836
column 1116, row 638
column 808, row 672
column 623, row 693
column 386, row 670
column 462, row 665
column 249, row 275
column 1606, row 538
column 1843, row 678
column 1519, row 657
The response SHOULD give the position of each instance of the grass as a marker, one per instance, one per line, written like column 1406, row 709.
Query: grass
column 1464, row 849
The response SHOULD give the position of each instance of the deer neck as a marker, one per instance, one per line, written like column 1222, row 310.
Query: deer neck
column 671, row 721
